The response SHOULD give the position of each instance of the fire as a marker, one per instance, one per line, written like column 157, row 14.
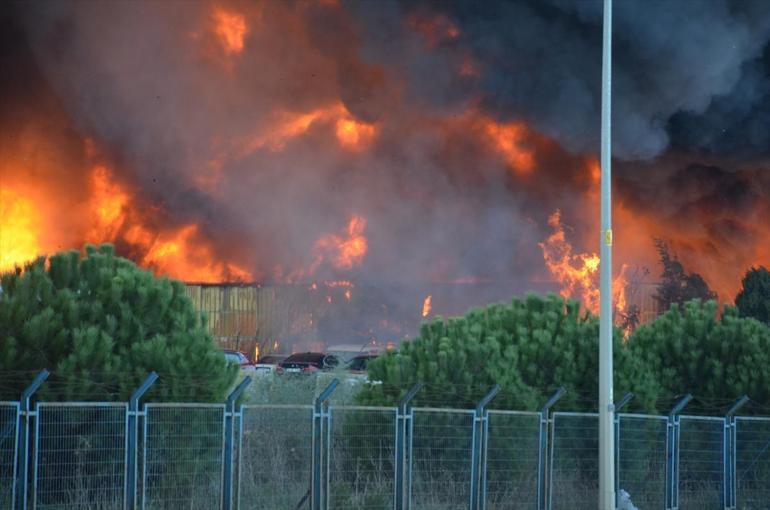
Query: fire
column 19, row 224
column 346, row 251
column 354, row 135
column 426, row 305
column 351, row 133
column 230, row 29
column 348, row 294
column 508, row 141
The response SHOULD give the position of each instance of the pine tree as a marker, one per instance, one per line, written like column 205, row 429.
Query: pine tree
column 754, row 298
column 677, row 286
column 100, row 325
column 529, row 347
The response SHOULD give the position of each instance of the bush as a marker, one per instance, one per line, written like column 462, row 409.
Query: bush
column 100, row 325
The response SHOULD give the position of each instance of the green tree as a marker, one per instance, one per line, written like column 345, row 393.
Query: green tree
column 716, row 358
column 529, row 347
column 676, row 285
column 754, row 298
column 100, row 325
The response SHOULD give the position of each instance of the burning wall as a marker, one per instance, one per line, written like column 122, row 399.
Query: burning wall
column 383, row 143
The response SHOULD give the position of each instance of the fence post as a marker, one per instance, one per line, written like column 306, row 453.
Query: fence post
column 320, row 417
column 478, row 453
column 543, row 480
column 403, row 419
column 729, row 456
column 617, row 407
column 672, row 453
column 230, row 415
column 132, row 431
column 24, row 417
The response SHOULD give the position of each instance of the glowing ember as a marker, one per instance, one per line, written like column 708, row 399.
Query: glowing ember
column 426, row 306
column 230, row 28
column 19, row 224
column 348, row 294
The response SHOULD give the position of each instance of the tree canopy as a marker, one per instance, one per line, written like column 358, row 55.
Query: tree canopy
column 677, row 286
column 529, row 347
column 753, row 300
column 100, row 325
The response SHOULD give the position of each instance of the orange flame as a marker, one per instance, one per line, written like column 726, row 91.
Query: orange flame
column 354, row 135
column 346, row 251
column 508, row 141
column 230, row 29
column 426, row 306
column 19, row 224
column 578, row 273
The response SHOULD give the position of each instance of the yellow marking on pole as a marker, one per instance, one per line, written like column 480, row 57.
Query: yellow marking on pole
column 608, row 237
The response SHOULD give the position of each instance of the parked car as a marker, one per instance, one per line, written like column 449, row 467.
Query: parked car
column 307, row 362
column 359, row 364
column 269, row 363
column 238, row 358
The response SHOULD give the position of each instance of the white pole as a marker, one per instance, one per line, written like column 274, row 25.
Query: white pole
column 606, row 410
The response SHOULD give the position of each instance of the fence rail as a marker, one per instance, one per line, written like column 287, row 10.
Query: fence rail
column 327, row 457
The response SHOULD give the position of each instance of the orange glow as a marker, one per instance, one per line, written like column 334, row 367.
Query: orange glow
column 19, row 224
column 108, row 202
column 230, row 29
column 435, row 29
column 350, row 133
column 354, row 135
column 348, row 294
column 508, row 141
column 426, row 305
column 347, row 251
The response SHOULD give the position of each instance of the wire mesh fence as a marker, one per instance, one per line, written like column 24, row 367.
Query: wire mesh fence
column 442, row 449
column 80, row 456
column 701, row 462
column 363, row 455
column 752, row 462
column 276, row 457
column 183, row 456
column 574, row 470
column 513, row 453
column 9, row 412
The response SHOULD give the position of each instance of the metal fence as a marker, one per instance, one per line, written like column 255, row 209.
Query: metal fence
column 323, row 457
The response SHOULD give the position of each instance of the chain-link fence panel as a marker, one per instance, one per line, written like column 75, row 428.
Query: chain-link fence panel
column 362, row 458
column 512, row 459
column 642, row 459
column 276, row 456
column 80, row 456
column 701, row 463
column 9, row 434
column 183, row 456
column 442, row 449
column 574, row 469
column 752, row 462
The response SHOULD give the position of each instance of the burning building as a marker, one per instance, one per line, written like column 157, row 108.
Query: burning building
column 412, row 149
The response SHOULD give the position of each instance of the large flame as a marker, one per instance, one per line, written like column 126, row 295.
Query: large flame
column 578, row 273
column 19, row 224
column 426, row 305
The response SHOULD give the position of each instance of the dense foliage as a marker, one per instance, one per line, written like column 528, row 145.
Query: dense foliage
column 100, row 325
column 529, row 347
column 754, row 298
column 534, row 345
column 717, row 359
